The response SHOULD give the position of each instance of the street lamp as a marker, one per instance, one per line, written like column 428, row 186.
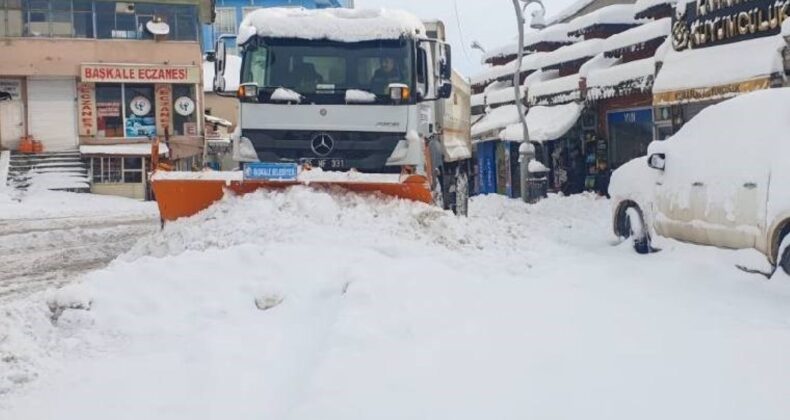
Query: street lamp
column 477, row 46
column 538, row 22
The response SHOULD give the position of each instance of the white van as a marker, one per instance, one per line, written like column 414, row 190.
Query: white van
column 722, row 180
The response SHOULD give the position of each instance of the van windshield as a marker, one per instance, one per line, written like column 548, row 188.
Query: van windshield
column 322, row 71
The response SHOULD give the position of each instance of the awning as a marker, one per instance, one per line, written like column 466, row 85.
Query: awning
column 138, row 149
column 545, row 123
column 495, row 121
column 622, row 79
column 718, row 72
column 549, row 92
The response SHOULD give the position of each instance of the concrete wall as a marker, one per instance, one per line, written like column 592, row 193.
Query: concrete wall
column 136, row 191
column 63, row 56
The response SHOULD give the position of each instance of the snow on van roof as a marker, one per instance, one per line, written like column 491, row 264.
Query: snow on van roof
column 343, row 25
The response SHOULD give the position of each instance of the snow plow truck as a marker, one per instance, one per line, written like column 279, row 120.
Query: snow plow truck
column 366, row 100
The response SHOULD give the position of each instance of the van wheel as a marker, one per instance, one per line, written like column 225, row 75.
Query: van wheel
column 784, row 262
column 631, row 225
column 461, row 207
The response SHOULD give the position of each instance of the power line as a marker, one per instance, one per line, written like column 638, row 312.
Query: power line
column 461, row 32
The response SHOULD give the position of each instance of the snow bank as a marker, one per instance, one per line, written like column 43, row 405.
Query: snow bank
column 634, row 37
column 720, row 65
column 518, row 312
column 496, row 119
column 343, row 25
column 5, row 162
column 545, row 123
column 232, row 74
column 55, row 204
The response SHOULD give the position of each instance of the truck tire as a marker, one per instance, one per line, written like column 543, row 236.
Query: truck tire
column 784, row 257
column 438, row 191
column 631, row 225
column 461, row 199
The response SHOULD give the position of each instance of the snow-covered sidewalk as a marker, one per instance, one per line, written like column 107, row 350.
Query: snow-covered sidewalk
column 306, row 305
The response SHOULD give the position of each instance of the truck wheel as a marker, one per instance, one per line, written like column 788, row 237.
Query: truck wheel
column 437, row 191
column 461, row 207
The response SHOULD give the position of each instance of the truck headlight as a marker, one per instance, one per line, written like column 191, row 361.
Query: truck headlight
column 248, row 91
column 399, row 92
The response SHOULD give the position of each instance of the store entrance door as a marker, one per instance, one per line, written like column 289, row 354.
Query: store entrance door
column 12, row 123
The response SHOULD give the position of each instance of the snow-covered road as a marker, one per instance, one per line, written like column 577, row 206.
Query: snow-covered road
column 306, row 305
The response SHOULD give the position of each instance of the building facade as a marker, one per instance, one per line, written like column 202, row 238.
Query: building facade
column 104, row 77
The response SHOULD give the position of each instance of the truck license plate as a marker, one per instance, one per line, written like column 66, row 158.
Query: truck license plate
column 271, row 171
column 328, row 164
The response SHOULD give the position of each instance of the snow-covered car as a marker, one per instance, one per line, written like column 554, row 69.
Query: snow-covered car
column 722, row 180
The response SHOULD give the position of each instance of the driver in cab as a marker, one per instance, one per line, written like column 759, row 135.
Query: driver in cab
column 386, row 74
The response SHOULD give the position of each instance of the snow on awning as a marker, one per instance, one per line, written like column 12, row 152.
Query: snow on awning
column 622, row 79
column 617, row 14
column 138, row 149
column 495, row 120
column 491, row 74
column 718, row 72
column 342, row 25
column 554, row 34
column 641, row 7
column 574, row 52
column 503, row 96
column 634, row 37
column 550, row 92
column 571, row 10
column 545, row 123
column 478, row 99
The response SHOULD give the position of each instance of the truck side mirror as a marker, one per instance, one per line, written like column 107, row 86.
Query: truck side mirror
column 219, row 65
column 447, row 63
column 445, row 90
column 657, row 161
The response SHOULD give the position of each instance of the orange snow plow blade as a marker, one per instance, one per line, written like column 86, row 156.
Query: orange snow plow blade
column 188, row 196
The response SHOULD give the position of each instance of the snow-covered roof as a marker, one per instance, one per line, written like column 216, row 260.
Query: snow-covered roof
column 639, row 35
column 598, row 62
column 545, row 123
column 232, row 74
column 557, row 33
column 478, row 99
column 563, row 89
column 573, row 52
column 571, row 10
column 492, row 73
column 496, row 119
column 137, row 149
column 616, row 14
column 623, row 78
column 642, row 6
column 505, row 50
column 540, row 76
column 343, row 25
column 720, row 65
column 503, row 96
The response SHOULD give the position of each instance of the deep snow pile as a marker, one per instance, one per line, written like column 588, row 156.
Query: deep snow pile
column 56, row 204
column 301, row 304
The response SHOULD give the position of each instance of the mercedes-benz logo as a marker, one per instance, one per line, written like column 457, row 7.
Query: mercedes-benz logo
column 322, row 145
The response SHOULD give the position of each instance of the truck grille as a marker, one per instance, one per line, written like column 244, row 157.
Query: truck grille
column 365, row 151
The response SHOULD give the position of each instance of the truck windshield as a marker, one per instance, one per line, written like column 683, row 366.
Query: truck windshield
column 322, row 71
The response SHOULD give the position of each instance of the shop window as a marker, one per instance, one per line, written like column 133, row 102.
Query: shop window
column 117, row 170
column 225, row 22
column 37, row 19
column 10, row 18
column 127, row 20
column 140, row 112
column 132, row 170
column 186, row 24
column 184, row 111
column 83, row 19
column 630, row 132
column 60, row 15
column 109, row 114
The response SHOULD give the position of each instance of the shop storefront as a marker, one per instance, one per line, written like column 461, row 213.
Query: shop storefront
column 120, row 170
column 718, row 51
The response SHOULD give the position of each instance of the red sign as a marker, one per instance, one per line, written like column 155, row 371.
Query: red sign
column 164, row 109
column 139, row 74
column 87, row 108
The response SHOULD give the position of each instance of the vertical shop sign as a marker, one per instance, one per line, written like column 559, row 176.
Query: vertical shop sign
column 164, row 109
column 86, row 93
